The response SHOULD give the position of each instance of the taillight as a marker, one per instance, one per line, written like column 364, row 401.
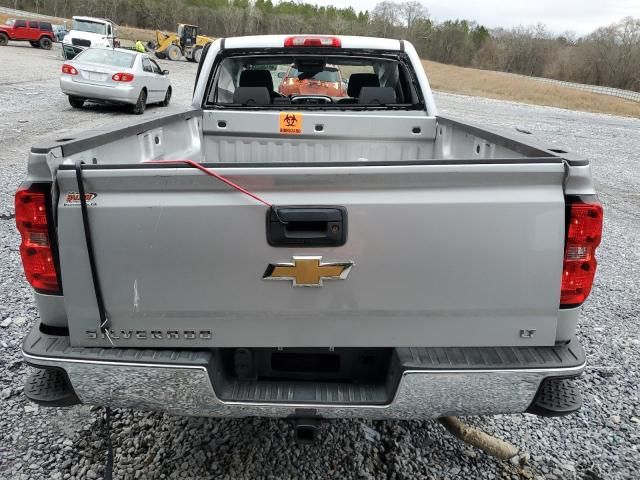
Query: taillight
column 32, row 220
column 305, row 41
column 584, row 232
column 69, row 69
column 122, row 77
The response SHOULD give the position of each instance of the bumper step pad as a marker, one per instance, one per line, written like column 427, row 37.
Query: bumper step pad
column 420, row 382
column 555, row 398
column 50, row 388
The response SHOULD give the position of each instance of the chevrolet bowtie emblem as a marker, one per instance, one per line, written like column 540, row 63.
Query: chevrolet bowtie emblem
column 308, row 271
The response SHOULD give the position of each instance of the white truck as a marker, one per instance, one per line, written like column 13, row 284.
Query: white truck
column 308, row 256
column 89, row 32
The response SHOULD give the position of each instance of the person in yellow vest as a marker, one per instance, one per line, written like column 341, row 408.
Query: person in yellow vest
column 140, row 47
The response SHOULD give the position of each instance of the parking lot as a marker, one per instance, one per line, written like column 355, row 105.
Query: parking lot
column 599, row 442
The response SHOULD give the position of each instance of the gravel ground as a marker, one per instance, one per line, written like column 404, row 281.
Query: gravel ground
column 600, row 442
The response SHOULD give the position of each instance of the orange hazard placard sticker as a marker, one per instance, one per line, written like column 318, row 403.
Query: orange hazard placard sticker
column 291, row 122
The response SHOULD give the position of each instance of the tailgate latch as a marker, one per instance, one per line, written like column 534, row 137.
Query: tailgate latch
column 293, row 226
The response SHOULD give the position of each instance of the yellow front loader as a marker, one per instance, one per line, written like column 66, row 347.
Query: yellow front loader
column 185, row 43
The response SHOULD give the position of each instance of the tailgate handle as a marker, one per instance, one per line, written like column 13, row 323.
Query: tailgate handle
column 306, row 226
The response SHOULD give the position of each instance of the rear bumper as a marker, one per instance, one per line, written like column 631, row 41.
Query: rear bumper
column 428, row 382
column 120, row 93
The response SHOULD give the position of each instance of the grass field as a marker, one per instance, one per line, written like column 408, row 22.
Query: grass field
column 483, row 83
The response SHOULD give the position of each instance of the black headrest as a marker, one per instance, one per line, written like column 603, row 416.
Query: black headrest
column 377, row 95
column 359, row 80
column 256, row 78
column 252, row 96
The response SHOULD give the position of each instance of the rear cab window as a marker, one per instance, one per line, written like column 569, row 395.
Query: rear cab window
column 146, row 65
column 306, row 78
column 156, row 67
column 328, row 74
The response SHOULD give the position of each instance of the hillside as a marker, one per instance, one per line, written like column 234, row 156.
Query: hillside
column 485, row 83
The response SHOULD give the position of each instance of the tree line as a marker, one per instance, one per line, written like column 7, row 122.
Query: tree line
column 609, row 56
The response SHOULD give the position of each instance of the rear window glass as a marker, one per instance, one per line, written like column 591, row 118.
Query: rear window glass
column 34, row 25
column 89, row 26
column 46, row 26
column 314, row 81
column 329, row 74
column 113, row 58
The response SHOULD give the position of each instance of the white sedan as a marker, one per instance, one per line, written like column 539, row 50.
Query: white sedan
column 115, row 75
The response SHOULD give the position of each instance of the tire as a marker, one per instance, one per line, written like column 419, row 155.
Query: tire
column 197, row 54
column 76, row 102
column 141, row 104
column 160, row 55
column 167, row 98
column 35, row 44
column 173, row 53
column 3, row 39
column 46, row 43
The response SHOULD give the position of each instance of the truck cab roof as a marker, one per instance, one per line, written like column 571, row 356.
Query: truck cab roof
column 344, row 41
column 93, row 19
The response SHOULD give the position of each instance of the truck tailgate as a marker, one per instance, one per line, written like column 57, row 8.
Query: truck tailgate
column 445, row 253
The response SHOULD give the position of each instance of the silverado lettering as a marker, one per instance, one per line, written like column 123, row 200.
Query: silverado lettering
column 152, row 334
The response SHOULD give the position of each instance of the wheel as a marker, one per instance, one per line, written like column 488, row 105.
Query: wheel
column 173, row 53
column 197, row 54
column 167, row 98
column 46, row 43
column 160, row 55
column 141, row 104
column 35, row 44
column 76, row 102
column 3, row 39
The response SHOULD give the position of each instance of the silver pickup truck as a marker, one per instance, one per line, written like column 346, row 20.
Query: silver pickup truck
column 341, row 252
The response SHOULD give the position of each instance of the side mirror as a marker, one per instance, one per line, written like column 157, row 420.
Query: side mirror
column 165, row 72
column 281, row 74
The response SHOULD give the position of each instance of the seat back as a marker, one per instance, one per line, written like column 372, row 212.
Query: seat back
column 251, row 96
column 359, row 80
column 256, row 78
column 377, row 95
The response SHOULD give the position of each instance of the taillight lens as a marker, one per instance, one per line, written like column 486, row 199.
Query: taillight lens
column 584, row 232
column 305, row 41
column 32, row 220
column 69, row 69
column 122, row 77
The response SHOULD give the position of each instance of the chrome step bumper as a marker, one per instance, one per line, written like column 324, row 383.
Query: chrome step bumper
column 430, row 383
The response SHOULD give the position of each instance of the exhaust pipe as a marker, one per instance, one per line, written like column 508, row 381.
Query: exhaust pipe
column 306, row 430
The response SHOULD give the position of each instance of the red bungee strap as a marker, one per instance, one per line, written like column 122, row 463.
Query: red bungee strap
column 214, row 174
